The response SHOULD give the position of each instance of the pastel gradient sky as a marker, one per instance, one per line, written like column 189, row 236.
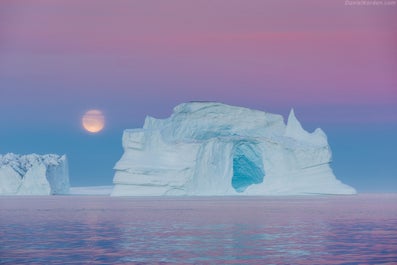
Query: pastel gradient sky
column 335, row 64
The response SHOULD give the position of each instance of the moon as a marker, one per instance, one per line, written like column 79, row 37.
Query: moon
column 93, row 121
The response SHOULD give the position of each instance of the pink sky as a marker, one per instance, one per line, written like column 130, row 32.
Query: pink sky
column 252, row 53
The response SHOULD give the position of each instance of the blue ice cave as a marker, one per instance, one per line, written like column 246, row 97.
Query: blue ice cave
column 247, row 166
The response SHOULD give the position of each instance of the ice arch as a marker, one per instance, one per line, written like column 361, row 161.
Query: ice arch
column 247, row 166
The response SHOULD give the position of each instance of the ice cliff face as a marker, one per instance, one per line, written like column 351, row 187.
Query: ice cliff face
column 207, row 148
column 33, row 174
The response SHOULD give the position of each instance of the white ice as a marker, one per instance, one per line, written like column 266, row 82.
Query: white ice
column 91, row 190
column 209, row 148
column 33, row 174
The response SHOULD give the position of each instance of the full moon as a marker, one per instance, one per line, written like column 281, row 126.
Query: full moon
column 93, row 121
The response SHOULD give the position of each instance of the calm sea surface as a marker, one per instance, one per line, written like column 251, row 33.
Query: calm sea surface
column 358, row 229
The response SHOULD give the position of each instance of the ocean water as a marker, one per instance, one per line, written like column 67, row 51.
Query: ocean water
column 358, row 229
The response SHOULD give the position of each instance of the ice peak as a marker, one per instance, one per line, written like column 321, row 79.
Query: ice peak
column 293, row 125
column 295, row 130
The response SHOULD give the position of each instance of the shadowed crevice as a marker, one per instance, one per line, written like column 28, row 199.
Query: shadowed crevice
column 247, row 166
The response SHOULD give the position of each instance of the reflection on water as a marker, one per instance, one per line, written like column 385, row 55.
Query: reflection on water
column 212, row 230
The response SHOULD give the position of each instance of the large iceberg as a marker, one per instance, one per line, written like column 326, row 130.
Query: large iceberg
column 209, row 148
column 33, row 174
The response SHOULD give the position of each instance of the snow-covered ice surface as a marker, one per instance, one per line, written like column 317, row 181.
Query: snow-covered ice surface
column 209, row 148
column 33, row 174
column 91, row 190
